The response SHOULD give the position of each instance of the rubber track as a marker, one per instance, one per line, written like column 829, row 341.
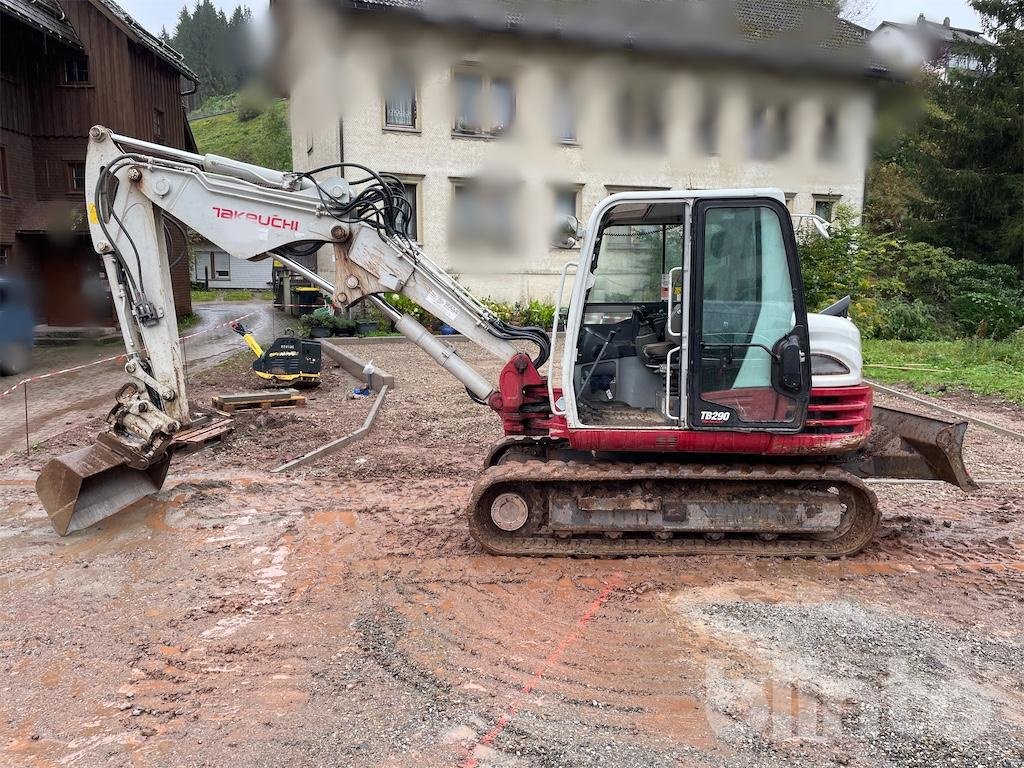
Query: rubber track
column 537, row 473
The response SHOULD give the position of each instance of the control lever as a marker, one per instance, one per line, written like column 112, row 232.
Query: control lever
column 597, row 360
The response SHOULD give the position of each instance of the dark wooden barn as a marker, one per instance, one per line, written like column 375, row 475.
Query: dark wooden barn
column 66, row 65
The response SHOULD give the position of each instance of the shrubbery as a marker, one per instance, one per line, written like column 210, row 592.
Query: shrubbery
column 533, row 313
column 909, row 291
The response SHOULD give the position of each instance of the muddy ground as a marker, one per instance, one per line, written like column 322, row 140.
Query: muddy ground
column 341, row 615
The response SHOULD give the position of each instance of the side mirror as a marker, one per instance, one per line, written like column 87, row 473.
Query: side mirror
column 791, row 364
column 568, row 231
column 820, row 225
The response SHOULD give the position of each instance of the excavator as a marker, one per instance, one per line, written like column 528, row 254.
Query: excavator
column 696, row 405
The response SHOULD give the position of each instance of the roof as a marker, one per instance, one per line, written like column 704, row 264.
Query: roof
column 794, row 32
column 938, row 32
column 146, row 38
column 48, row 17
column 44, row 15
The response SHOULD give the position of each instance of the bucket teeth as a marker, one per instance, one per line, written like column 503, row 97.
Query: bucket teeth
column 85, row 486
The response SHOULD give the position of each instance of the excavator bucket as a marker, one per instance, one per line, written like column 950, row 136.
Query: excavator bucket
column 90, row 484
column 912, row 447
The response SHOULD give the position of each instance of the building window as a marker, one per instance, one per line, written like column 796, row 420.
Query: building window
column 5, row 255
column 220, row 266
column 828, row 144
column 483, row 214
column 484, row 105
column 158, row 126
column 707, row 124
column 791, row 202
column 567, row 203
column 5, row 190
column 770, row 131
column 563, row 111
column 825, row 206
column 641, row 118
column 400, row 100
column 76, row 70
column 411, row 193
column 76, row 177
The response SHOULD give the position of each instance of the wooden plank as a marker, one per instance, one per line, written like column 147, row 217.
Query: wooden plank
column 269, row 394
column 195, row 439
column 259, row 401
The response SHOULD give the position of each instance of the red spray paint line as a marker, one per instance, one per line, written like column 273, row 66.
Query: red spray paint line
column 564, row 644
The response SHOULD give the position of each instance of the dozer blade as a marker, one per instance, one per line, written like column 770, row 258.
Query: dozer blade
column 911, row 447
column 90, row 484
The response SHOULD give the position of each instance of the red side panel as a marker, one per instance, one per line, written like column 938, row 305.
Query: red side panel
column 838, row 421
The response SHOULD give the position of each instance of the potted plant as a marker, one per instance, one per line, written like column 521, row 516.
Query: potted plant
column 321, row 323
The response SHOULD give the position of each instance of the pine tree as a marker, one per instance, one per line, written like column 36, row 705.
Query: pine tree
column 215, row 47
column 969, row 153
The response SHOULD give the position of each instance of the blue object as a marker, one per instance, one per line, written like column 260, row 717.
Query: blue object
column 447, row 330
column 16, row 326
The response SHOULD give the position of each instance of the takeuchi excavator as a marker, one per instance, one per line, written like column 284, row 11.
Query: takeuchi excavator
column 697, row 407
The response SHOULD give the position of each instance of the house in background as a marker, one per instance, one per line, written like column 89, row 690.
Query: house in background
column 497, row 117
column 926, row 44
column 66, row 65
column 218, row 269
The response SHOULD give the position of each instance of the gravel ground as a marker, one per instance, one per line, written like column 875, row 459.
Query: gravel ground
column 341, row 616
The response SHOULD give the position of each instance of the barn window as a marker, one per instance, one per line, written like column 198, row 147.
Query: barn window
column 5, row 190
column 158, row 125
column 76, row 177
column 76, row 70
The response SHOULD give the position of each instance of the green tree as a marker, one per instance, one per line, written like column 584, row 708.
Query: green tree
column 968, row 154
column 214, row 46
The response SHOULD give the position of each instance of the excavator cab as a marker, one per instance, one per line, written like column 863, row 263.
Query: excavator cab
column 694, row 318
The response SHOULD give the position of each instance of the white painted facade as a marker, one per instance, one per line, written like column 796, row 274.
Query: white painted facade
column 226, row 271
column 338, row 113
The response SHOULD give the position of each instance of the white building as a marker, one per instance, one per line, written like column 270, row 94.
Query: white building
column 937, row 47
column 496, row 120
column 223, row 270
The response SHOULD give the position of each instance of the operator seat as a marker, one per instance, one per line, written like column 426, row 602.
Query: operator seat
column 653, row 352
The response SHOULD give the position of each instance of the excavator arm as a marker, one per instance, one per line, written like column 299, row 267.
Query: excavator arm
column 134, row 188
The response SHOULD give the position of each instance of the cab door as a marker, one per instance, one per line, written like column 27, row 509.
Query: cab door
column 749, row 356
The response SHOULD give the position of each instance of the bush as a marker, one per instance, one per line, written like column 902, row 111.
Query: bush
column 324, row 317
column 251, row 103
column 986, row 316
column 534, row 313
column 908, row 290
column 906, row 321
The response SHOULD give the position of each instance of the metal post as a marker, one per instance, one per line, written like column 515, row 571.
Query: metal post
column 28, row 445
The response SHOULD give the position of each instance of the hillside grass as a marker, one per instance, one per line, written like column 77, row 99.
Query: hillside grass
column 983, row 366
column 264, row 140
